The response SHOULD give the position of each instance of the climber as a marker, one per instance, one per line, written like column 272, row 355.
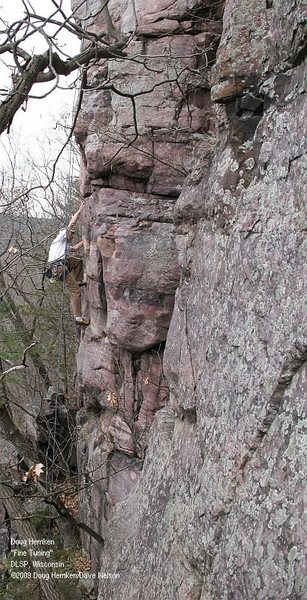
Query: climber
column 63, row 267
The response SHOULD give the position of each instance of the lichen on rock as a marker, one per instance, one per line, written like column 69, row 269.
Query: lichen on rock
column 196, row 234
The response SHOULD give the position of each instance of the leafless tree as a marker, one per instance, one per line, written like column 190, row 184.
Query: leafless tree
column 31, row 68
column 37, row 336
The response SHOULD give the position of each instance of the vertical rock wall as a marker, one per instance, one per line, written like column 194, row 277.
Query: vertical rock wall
column 217, row 511
column 143, row 122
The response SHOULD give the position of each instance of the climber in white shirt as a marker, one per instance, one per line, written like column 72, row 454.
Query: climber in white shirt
column 62, row 266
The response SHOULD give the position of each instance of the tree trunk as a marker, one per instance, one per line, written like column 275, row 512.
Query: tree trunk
column 26, row 531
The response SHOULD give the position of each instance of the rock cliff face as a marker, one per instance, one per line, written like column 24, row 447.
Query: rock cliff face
column 197, row 186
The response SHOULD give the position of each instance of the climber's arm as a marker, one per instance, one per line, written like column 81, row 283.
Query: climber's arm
column 76, row 247
column 74, row 218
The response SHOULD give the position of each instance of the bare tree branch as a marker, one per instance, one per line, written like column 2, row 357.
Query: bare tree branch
column 18, row 367
column 50, row 65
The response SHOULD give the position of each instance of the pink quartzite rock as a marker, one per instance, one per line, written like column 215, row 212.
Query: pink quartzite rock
column 140, row 295
column 263, row 37
column 218, row 509
column 131, row 300
column 135, row 159
column 121, row 394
